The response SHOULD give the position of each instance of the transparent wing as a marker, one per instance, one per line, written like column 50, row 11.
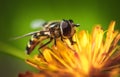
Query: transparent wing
column 28, row 34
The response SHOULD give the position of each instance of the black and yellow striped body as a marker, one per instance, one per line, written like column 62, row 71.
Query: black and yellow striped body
column 34, row 41
column 57, row 29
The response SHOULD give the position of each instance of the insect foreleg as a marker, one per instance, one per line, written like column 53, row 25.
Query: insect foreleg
column 71, row 41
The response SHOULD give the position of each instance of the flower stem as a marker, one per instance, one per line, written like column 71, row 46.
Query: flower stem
column 8, row 49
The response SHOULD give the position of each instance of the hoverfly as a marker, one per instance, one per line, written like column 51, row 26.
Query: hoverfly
column 52, row 30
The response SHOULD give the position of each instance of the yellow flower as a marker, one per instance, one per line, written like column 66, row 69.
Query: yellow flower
column 93, row 55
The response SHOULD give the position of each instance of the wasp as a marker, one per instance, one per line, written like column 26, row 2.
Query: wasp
column 64, row 29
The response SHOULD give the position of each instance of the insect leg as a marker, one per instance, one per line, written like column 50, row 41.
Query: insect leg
column 45, row 44
column 55, row 41
column 71, row 40
column 62, row 38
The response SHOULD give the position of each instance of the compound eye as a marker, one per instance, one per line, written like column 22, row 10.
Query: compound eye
column 66, row 28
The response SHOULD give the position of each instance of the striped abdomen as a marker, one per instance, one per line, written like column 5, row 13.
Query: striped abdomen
column 32, row 44
column 35, row 40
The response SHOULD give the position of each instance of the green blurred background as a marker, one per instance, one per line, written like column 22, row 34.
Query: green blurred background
column 16, row 17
